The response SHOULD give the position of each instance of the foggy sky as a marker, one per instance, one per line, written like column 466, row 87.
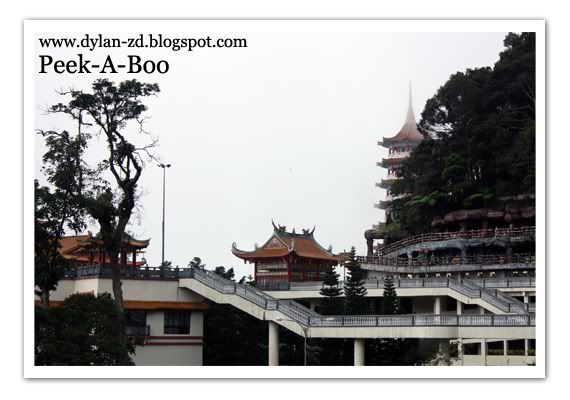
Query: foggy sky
column 285, row 129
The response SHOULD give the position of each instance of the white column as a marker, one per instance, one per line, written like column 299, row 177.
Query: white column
column 358, row 352
column 526, row 346
column 484, row 351
column 460, row 350
column 273, row 344
column 459, row 307
column 505, row 347
column 437, row 305
column 525, row 297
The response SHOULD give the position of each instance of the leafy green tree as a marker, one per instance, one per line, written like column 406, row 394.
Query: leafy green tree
column 479, row 141
column 82, row 331
column 196, row 262
column 331, row 292
column 109, row 110
column 57, row 206
column 354, row 290
column 226, row 274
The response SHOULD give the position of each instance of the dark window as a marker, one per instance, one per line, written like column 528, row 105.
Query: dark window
column 136, row 323
column 177, row 322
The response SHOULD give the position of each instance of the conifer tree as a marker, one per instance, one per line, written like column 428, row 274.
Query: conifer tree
column 331, row 292
column 354, row 290
column 391, row 302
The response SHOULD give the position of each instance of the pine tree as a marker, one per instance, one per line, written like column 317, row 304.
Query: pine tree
column 354, row 290
column 391, row 302
column 331, row 292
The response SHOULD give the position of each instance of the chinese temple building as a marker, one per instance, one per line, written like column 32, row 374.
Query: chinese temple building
column 399, row 148
column 288, row 257
column 83, row 250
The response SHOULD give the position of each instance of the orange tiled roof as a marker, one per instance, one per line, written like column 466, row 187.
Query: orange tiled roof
column 150, row 305
column 282, row 243
column 78, row 247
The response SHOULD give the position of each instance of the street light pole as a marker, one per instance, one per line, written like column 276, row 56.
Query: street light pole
column 163, row 166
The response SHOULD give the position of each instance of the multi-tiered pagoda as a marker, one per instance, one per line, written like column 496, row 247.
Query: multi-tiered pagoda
column 399, row 148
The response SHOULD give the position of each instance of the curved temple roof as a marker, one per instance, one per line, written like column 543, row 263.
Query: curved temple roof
column 283, row 243
column 409, row 132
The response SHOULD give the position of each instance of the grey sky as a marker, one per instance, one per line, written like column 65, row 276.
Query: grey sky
column 284, row 129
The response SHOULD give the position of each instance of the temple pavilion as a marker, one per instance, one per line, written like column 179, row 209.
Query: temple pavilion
column 288, row 257
column 87, row 249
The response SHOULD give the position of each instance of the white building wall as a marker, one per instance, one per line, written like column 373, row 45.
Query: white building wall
column 159, row 349
column 168, row 355
column 197, row 324
column 133, row 289
column 156, row 321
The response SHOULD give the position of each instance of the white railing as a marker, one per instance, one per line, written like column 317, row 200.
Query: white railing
column 309, row 318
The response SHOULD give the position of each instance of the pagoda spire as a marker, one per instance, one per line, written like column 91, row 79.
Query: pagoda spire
column 410, row 117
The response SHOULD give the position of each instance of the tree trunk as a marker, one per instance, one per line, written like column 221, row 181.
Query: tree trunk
column 45, row 298
column 118, row 295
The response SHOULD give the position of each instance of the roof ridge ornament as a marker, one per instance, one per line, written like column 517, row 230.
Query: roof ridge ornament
column 279, row 228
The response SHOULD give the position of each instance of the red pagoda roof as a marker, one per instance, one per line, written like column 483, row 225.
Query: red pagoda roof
column 78, row 247
column 391, row 161
column 283, row 243
column 409, row 132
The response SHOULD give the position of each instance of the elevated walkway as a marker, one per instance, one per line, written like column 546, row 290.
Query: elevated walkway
column 307, row 323
column 500, row 237
column 484, row 293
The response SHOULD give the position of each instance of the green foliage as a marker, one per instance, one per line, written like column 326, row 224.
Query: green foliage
column 57, row 207
column 331, row 303
column 229, row 274
column 196, row 262
column 83, row 331
column 479, row 140
column 354, row 290
column 390, row 300
column 107, row 109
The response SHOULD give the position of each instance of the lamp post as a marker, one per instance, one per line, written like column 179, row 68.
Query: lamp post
column 163, row 166
column 305, row 332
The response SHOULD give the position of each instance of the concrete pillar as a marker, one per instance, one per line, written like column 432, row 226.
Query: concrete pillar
column 370, row 247
column 484, row 351
column 526, row 346
column 525, row 297
column 460, row 350
column 437, row 305
column 459, row 307
column 273, row 344
column 358, row 352
column 312, row 305
column 444, row 349
column 505, row 347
